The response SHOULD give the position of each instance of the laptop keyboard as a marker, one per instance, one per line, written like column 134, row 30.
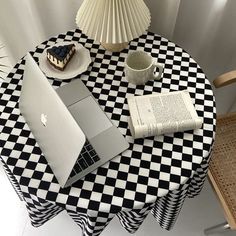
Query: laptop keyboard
column 87, row 158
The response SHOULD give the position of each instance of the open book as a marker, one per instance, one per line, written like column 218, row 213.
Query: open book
column 157, row 114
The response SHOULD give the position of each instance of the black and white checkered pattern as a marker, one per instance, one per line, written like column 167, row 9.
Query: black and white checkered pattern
column 13, row 181
column 155, row 174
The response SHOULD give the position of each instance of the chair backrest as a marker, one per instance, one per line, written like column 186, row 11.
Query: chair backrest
column 225, row 79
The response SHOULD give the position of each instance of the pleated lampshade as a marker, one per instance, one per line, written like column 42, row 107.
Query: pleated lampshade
column 113, row 22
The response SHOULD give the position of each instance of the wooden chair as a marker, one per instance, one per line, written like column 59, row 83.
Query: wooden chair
column 222, row 168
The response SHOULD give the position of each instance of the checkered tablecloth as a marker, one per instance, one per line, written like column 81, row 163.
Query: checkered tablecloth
column 154, row 175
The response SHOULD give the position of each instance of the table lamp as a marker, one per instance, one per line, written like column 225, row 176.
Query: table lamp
column 113, row 22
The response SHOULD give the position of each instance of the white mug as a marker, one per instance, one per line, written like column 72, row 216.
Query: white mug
column 139, row 68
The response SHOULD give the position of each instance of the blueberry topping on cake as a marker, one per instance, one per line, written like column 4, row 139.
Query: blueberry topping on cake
column 60, row 56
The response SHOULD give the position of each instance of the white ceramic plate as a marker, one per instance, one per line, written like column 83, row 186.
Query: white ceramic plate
column 77, row 65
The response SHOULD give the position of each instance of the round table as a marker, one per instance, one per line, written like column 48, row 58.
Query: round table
column 154, row 175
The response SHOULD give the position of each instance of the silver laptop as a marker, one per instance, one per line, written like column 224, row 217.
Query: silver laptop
column 73, row 132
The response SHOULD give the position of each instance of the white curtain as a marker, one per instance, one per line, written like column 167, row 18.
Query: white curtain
column 26, row 23
column 204, row 28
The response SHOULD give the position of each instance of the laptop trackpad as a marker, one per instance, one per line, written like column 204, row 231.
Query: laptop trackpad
column 90, row 117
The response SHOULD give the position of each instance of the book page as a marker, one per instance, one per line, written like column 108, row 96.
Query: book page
column 163, row 113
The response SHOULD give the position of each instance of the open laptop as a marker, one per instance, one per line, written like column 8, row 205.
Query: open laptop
column 73, row 132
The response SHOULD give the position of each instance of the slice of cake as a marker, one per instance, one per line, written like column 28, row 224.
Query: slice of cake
column 60, row 56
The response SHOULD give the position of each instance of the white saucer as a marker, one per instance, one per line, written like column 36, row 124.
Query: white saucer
column 77, row 65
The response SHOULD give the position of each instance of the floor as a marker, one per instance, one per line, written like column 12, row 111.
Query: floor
column 196, row 215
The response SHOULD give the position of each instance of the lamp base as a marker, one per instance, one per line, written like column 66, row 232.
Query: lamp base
column 115, row 47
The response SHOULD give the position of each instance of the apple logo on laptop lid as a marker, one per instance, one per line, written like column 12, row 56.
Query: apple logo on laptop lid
column 44, row 119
